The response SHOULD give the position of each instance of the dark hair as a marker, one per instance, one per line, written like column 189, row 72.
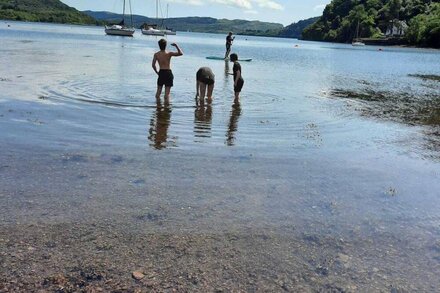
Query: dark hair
column 162, row 44
column 233, row 57
column 230, row 33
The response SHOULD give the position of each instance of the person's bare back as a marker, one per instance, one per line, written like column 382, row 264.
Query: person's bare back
column 164, row 59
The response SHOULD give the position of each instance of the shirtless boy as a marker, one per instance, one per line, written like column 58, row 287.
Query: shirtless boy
column 165, row 74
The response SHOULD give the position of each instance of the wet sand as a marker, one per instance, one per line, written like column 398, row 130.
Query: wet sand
column 84, row 222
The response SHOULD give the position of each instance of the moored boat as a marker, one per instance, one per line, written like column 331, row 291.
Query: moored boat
column 121, row 29
column 118, row 30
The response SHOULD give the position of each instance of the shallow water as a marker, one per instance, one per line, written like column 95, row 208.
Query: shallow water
column 302, row 160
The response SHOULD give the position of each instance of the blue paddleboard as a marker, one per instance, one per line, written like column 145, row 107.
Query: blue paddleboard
column 227, row 59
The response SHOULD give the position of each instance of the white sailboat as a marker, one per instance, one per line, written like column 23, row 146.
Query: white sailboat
column 357, row 42
column 120, row 29
column 151, row 30
column 168, row 31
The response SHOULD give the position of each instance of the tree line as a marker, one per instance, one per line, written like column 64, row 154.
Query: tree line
column 341, row 20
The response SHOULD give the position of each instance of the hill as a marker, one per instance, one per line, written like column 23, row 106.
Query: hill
column 295, row 30
column 42, row 10
column 341, row 17
column 197, row 24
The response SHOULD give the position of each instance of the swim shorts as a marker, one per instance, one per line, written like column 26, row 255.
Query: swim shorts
column 206, row 76
column 166, row 78
column 239, row 86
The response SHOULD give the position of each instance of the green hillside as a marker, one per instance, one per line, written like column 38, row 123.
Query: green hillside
column 341, row 17
column 197, row 24
column 43, row 11
column 295, row 30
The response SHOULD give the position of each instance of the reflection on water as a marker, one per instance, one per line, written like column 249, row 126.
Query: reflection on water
column 233, row 123
column 202, row 120
column 227, row 76
column 159, row 124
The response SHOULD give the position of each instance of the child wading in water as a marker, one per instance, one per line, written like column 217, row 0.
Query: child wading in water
column 238, row 78
column 165, row 74
column 205, row 80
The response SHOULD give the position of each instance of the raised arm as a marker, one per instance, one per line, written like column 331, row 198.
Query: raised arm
column 179, row 51
column 153, row 64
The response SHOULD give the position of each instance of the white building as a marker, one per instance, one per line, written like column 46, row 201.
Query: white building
column 396, row 28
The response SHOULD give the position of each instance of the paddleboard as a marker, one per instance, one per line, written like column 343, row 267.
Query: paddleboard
column 227, row 59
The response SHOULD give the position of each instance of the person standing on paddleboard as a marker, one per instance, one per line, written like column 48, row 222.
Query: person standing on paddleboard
column 229, row 40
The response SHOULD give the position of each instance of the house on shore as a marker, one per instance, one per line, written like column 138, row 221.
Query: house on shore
column 396, row 28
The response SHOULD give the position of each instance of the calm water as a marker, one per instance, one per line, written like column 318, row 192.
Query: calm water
column 75, row 102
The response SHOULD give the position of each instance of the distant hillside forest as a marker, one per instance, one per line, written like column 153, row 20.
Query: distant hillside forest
column 58, row 12
column 340, row 20
column 196, row 24
column 295, row 30
column 42, row 11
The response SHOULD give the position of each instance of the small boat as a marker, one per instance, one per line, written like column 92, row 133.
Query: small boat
column 169, row 32
column 120, row 29
column 151, row 31
column 357, row 42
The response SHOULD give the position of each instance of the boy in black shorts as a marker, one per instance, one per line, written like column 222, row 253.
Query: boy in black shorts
column 238, row 78
column 165, row 74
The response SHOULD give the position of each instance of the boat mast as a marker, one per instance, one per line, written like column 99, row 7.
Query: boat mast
column 123, row 12
column 357, row 31
column 157, row 9
column 131, row 13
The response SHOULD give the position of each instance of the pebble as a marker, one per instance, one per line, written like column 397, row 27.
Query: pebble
column 137, row 275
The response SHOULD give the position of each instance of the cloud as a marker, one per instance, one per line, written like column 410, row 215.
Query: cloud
column 248, row 5
column 319, row 7
column 250, row 12
column 189, row 2
column 269, row 4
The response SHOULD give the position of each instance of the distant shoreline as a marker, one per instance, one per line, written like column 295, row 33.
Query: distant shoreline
column 221, row 33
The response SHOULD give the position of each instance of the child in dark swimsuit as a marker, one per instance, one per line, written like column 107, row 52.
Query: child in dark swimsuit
column 165, row 74
column 238, row 78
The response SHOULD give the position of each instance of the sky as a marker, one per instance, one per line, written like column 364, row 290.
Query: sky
column 280, row 11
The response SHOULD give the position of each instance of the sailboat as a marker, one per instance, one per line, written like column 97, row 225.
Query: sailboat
column 168, row 31
column 151, row 30
column 357, row 42
column 120, row 29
